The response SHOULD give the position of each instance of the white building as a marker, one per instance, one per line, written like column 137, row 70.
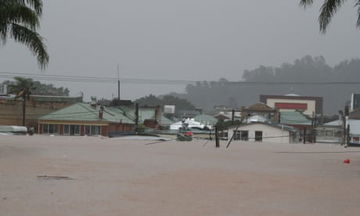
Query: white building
column 263, row 132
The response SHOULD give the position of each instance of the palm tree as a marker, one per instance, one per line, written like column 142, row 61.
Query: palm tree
column 19, row 20
column 22, row 87
column 328, row 10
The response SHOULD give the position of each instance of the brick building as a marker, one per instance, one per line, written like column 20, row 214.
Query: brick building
column 85, row 119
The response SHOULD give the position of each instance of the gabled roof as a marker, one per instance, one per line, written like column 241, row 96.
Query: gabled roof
column 86, row 112
column 294, row 118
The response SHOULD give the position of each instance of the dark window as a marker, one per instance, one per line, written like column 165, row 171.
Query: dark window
column 244, row 135
column 258, row 136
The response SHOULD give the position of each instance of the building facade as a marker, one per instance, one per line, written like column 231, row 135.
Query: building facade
column 307, row 104
column 263, row 132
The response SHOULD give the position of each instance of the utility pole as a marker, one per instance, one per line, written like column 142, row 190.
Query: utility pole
column 217, row 143
column 118, row 75
column 24, row 110
column 343, row 127
column 136, row 117
column 232, row 116
column 348, row 135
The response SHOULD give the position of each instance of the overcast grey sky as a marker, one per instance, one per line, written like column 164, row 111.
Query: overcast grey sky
column 179, row 39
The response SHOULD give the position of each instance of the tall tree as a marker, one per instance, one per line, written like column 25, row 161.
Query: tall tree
column 19, row 20
column 22, row 88
column 328, row 10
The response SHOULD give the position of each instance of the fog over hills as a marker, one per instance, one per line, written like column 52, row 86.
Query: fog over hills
column 259, row 81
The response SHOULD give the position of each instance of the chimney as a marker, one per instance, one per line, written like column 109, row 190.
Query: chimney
column 101, row 112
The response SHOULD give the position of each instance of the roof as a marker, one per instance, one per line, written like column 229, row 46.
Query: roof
column 206, row 119
column 259, row 107
column 86, row 112
column 294, row 118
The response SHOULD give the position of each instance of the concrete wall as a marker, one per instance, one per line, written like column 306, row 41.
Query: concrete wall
column 270, row 134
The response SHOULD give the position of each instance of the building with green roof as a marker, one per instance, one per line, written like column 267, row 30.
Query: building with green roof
column 294, row 118
column 85, row 119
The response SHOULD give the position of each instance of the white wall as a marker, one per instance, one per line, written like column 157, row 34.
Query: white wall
column 270, row 134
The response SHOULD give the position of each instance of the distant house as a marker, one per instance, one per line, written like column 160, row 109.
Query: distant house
column 263, row 132
column 260, row 109
column 225, row 113
column 85, row 119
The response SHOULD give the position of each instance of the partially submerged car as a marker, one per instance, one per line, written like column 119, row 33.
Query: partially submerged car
column 13, row 130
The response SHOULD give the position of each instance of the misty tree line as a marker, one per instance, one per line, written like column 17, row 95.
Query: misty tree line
column 38, row 88
column 307, row 69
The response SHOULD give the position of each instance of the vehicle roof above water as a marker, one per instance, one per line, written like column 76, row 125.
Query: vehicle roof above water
column 12, row 129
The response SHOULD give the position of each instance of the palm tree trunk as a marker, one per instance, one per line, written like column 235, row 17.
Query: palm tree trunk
column 23, row 111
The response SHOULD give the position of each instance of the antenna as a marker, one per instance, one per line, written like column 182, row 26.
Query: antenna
column 118, row 76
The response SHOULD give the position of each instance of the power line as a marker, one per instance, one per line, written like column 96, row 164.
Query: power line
column 94, row 79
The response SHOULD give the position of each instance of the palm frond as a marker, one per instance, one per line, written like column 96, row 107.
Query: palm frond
column 305, row 3
column 3, row 32
column 17, row 13
column 328, row 9
column 37, row 5
column 33, row 40
column 357, row 4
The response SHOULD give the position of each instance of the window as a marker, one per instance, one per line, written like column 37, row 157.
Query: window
column 241, row 135
column 244, row 135
column 92, row 130
column 73, row 130
column 66, row 129
column 50, row 129
column 258, row 136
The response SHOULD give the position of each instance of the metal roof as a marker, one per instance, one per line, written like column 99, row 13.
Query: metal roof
column 294, row 118
column 86, row 112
